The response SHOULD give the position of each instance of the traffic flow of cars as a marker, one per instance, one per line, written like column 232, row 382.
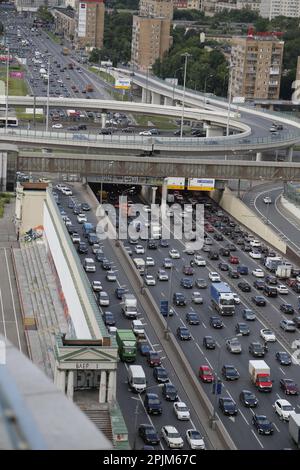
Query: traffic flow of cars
column 194, row 316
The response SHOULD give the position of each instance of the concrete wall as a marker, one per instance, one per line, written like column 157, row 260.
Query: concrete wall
column 80, row 300
column 234, row 206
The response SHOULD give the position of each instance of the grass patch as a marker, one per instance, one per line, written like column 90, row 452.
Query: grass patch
column 4, row 199
column 28, row 117
column 162, row 122
column 104, row 75
column 16, row 86
column 54, row 37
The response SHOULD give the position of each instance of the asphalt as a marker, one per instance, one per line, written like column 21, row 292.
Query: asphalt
column 274, row 214
column 240, row 428
column 11, row 324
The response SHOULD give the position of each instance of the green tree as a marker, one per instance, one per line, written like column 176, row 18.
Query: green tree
column 44, row 14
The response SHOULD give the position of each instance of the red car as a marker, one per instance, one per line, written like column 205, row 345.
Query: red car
column 209, row 228
column 153, row 359
column 291, row 282
column 205, row 374
column 233, row 260
column 188, row 270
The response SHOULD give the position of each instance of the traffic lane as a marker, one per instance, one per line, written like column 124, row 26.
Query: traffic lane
column 11, row 323
column 254, row 200
column 115, row 307
column 272, row 362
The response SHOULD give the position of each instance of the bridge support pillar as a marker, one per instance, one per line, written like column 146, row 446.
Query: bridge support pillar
column 213, row 131
column 289, row 153
column 145, row 95
column 258, row 156
column 3, row 171
column 168, row 101
column 164, row 195
column 146, row 194
column 111, row 392
column 60, row 380
column 102, row 388
column 70, row 384
column 103, row 119
column 154, row 189
column 155, row 98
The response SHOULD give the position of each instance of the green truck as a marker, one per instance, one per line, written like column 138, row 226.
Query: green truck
column 126, row 341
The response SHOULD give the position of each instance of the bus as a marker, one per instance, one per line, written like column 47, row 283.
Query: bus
column 11, row 121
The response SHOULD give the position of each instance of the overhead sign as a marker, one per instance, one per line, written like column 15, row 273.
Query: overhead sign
column 123, row 83
column 238, row 99
column 176, row 183
column 82, row 20
column 201, row 184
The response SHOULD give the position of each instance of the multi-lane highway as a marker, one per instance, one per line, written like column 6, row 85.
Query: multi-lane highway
column 240, row 427
column 280, row 221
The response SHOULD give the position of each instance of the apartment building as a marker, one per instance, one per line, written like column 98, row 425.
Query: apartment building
column 237, row 5
column 151, row 28
column 257, row 65
column 89, row 24
column 272, row 8
column 187, row 4
column 64, row 22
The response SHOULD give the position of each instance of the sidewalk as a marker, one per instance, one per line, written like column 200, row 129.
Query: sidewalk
column 8, row 236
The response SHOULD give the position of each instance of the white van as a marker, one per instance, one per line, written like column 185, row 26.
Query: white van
column 136, row 379
column 140, row 265
column 89, row 265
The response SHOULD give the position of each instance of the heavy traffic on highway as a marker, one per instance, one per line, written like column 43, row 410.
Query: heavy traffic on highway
column 249, row 352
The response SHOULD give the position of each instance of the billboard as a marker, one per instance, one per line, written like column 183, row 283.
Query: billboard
column 172, row 81
column 123, row 83
column 176, row 183
column 16, row 74
column 201, row 184
column 82, row 20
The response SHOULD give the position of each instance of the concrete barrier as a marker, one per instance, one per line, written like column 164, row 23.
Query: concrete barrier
column 245, row 216
column 218, row 437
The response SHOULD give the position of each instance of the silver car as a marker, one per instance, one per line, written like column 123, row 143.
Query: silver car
column 234, row 346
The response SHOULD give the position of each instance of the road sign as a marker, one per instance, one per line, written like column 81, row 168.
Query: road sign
column 164, row 307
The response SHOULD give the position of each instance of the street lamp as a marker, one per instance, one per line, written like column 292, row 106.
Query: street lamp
column 217, row 381
column 136, row 411
column 231, row 66
column 186, row 55
column 167, row 329
column 48, row 93
column 7, row 79
column 205, row 81
column 173, row 95
column 147, row 81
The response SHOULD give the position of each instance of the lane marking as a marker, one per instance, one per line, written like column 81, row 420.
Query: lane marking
column 276, row 427
column 242, row 414
column 2, row 310
column 257, row 439
column 197, row 345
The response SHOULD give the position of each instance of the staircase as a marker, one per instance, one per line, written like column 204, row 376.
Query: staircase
column 100, row 418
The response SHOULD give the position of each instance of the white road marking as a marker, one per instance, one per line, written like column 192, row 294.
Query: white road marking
column 13, row 301
column 282, row 371
column 204, row 325
column 257, row 439
column 242, row 414
column 208, row 362
column 2, row 310
column 199, row 348
column 276, row 427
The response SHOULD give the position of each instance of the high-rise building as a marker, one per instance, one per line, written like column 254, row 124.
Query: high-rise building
column 151, row 32
column 187, row 4
column 89, row 23
column 256, row 67
column 272, row 8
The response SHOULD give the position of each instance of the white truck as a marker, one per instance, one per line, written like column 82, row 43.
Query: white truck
column 283, row 271
column 140, row 265
column 294, row 428
column 43, row 71
column 272, row 262
column 260, row 375
column 129, row 307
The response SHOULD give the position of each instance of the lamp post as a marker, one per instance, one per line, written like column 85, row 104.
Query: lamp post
column 101, row 184
column 231, row 66
column 217, row 380
column 205, row 82
column 48, row 93
column 136, row 412
column 186, row 55
column 173, row 94
column 167, row 329
column 7, row 79
column 147, row 81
